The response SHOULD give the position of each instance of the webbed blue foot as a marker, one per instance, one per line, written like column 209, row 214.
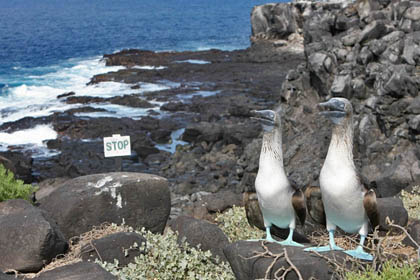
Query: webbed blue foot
column 324, row 248
column 359, row 253
column 289, row 241
column 331, row 247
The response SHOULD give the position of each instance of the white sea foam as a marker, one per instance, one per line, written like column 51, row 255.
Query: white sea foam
column 32, row 136
column 149, row 67
column 175, row 137
column 38, row 96
column 193, row 61
column 116, row 111
column 202, row 93
column 32, row 139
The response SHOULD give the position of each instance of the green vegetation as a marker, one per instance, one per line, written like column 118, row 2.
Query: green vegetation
column 11, row 188
column 412, row 202
column 164, row 258
column 391, row 271
column 235, row 225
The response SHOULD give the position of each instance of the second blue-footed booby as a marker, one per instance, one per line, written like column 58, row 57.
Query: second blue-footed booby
column 280, row 201
column 347, row 203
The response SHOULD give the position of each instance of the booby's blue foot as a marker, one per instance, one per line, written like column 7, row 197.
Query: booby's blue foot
column 324, row 248
column 331, row 247
column 359, row 254
column 289, row 241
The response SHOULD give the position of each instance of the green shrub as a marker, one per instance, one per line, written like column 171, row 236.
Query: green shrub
column 235, row 225
column 164, row 259
column 11, row 188
column 412, row 202
column 391, row 271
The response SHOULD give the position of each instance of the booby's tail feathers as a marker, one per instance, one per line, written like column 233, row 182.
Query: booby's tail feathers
column 371, row 208
column 298, row 202
column 314, row 204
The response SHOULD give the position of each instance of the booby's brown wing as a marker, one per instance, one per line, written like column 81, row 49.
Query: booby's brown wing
column 371, row 208
column 314, row 204
column 298, row 202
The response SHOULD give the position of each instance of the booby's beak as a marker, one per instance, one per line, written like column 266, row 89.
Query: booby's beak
column 333, row 109
column 266, row 117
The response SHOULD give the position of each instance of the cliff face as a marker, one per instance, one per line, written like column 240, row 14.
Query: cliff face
column 367, row 51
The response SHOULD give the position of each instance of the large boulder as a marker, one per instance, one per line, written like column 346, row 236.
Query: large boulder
column 77, row 271
column 199, row 232
column 413, row 230
column 392, row 208
column 4, row 276
column 136, row 199
column 246, row 264
column 28, row 238
column 121, row 246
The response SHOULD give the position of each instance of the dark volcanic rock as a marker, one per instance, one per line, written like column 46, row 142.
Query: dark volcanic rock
column 29, row 239
column 139, row 200
column 220, row 201
column 122, row 246
column 66, row 94
column 20, row 164
column 196, row 232
column 241, row 256
column 77, row 271
column 4, row 276
column 414, row 230
column 393, row 208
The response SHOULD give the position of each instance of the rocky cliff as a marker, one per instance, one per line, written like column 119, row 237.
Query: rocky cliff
column 367, row 51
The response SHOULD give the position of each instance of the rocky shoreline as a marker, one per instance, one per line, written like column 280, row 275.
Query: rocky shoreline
column 301, row 54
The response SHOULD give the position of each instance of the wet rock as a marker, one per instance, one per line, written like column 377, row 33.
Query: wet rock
column 241, row 256
column 66, row 94
column 122, row 246
column 131, row 101
column 77, row 271
column 139, row 200
column 196, row 232
column 29, row 239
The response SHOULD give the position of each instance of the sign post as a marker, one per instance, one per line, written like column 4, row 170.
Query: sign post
column 117, row 146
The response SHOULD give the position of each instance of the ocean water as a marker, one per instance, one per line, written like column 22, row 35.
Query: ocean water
column 50, row 47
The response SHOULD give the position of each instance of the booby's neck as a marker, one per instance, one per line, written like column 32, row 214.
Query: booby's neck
column 341, row 146
column 272, row 146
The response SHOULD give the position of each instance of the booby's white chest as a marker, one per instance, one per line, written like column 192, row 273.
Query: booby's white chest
column 274, row 193
column 342, row 193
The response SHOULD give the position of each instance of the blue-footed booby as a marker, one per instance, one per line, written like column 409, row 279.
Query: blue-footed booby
column 347, row 203
column 280, row 201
